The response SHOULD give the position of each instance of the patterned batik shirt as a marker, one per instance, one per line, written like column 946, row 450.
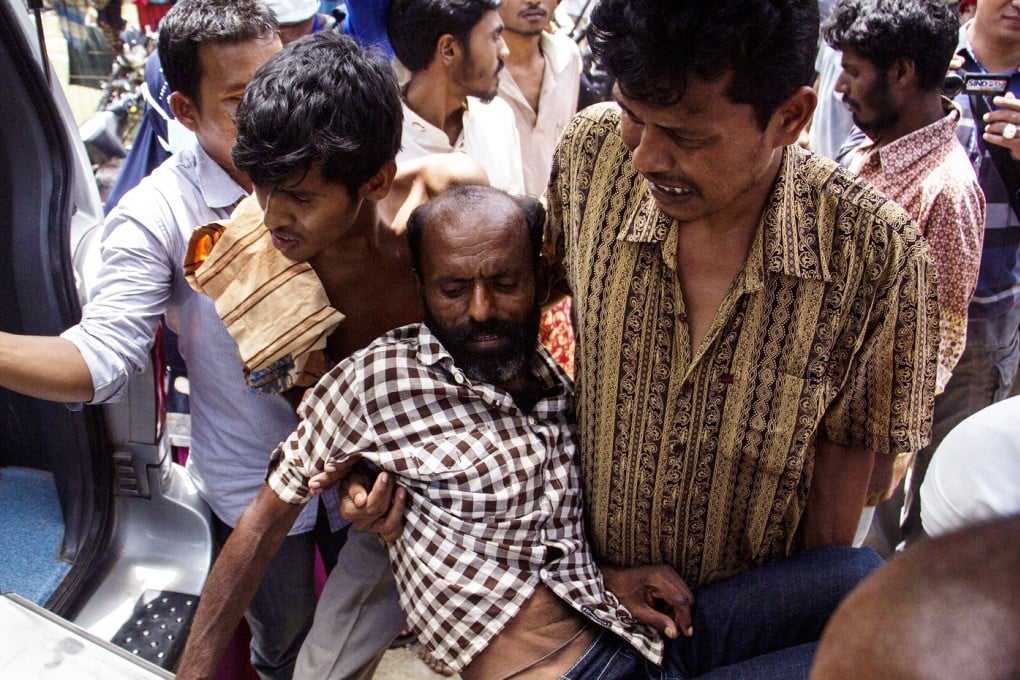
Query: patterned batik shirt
column 701, row 458
column 494, row 499
column 929, row 174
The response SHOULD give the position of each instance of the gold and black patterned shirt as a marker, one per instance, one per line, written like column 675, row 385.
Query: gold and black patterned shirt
column 703, row 459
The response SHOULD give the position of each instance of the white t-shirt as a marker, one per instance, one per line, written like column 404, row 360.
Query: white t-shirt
column 975, row 473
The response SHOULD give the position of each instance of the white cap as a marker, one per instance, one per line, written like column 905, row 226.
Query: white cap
column 293, row 11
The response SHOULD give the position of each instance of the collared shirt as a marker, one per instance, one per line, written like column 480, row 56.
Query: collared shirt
column 557, row 102
column 489, row 135
column 928, row 173
column 141, row 277
column 701, row 458
column 494, row 504
column 998, row 288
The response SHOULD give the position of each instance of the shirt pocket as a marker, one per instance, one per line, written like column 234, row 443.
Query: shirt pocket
column 456, row 457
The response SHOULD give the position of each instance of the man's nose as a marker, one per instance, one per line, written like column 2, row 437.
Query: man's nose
column 652, row 154
column 504, row 51
column 274, row 213
column 841, row 84
column 480, row 306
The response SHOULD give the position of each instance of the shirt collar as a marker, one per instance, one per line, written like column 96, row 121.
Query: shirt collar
column 554, row 381
column 219, row 190
column 787, row 241
column 555, row 56
column 900, row 154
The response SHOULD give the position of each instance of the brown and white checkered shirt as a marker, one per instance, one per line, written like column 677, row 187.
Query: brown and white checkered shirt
column 494, row 501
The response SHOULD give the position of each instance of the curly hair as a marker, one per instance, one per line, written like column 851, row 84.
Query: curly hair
column 322, row 100
column 651, row 48
column 882, row 31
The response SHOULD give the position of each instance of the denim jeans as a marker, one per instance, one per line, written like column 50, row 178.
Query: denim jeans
column 280, row 614
column 764, row 623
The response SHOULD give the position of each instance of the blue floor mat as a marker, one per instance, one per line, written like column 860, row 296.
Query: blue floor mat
column 31, row 532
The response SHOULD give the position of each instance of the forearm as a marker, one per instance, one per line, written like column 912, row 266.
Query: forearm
column 44, row 367
column 234, row 579
column 839, row 486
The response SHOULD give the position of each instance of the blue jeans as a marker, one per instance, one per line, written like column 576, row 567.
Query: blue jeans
column 764, row 623
column 281, row 612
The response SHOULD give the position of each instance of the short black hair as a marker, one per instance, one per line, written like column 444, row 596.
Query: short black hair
column 651, row 48
column 323, row 100
column 192, row 23
column 466, row 197
column 415, row 26
column 924, row 31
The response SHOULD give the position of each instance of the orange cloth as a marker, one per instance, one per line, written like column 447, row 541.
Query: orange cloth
column 275, row 309
column 556, row 331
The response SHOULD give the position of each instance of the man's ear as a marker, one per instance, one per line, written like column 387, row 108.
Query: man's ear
column 902, row 72
column 378, row 186
column 793, row 115
column 184, row 110
column 448, row 49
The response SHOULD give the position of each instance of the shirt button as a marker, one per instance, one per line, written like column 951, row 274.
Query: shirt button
column 458, row 378
column 532, row 421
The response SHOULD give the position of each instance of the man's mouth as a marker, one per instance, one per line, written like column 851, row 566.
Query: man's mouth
column 282, row 241
column 672, row 191
column 534, row 13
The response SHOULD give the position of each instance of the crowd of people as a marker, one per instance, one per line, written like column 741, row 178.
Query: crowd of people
column 747, row 346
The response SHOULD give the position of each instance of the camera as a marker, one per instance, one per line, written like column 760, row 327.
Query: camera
column 981, row 84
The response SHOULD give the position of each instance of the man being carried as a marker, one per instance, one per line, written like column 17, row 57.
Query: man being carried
column 494, row 572
column 317, row 260
column 757, row 328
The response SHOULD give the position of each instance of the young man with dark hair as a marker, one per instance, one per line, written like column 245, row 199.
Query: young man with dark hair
column 493, row 569
column 454, row 51
column 315, row 266
column 540, row 81
column 988, row 44
column 895, row 57
column 211, row 49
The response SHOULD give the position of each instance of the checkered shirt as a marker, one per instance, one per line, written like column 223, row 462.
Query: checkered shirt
column 494, row 500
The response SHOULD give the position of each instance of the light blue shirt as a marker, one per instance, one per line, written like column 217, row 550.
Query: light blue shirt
column 143, row 246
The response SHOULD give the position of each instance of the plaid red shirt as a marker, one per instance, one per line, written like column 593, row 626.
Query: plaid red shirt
column 494, row 499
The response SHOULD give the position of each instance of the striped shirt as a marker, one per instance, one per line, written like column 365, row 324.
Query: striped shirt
column 494, row 502
column 998, row 287
column 701, row 457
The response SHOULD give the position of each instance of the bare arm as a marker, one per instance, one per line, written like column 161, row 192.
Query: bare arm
column 44, row 367
column 839, row 486
column 233, row 581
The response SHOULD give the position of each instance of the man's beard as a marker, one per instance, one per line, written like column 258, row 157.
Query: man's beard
column 884, row 111
column 495, row 366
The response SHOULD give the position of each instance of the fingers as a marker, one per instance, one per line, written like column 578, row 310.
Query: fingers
column 392, row 525
column 1002, row 126
column 673, row 595
column 380, row 510
column 332, row 473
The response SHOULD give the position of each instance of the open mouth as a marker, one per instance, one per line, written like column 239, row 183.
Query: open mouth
column 282, row 242
column 672, row 191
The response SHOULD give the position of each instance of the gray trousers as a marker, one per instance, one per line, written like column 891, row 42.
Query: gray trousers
column 357, row 617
